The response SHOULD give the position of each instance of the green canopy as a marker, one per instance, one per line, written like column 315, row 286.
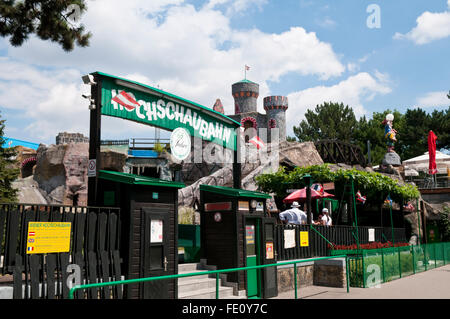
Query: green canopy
column 233, row 192
column 137, row 179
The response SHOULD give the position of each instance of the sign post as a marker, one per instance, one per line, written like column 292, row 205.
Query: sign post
column 94, row 137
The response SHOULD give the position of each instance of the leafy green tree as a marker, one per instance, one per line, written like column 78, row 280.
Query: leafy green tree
column 328, row 121
column 415, row 136
column 7, row 171
column 53, row 20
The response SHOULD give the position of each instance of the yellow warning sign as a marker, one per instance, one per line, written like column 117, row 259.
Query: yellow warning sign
column 304, row 239
column 48, row 237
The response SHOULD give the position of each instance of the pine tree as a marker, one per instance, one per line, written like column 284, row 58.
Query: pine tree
column 327, row 121
column 8, row 173
column 54, row 20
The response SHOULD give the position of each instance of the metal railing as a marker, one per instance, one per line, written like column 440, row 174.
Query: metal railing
column 431, row 182
column 147, row 143
column 394, row 263
column 323, row 238
column 212, row 272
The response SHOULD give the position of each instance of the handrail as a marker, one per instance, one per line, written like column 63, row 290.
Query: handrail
column 329, row 242
column 216, row 272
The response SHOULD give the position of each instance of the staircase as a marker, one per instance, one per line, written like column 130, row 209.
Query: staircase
column 202, row 286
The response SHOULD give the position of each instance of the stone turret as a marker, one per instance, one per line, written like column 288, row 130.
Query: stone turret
column 275, row 107
column 245, row 95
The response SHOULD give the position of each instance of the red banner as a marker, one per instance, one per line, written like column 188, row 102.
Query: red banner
column 432, row 153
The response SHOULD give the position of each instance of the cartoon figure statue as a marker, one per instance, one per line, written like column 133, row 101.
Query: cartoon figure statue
column 389, row 132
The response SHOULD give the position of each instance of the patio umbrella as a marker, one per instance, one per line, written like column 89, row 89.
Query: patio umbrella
column 432, row 153
column 300, row 195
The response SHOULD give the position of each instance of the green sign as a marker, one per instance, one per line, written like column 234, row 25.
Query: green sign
column 140, row 103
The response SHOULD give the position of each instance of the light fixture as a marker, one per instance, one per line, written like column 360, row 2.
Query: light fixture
column 88, row 79
column 91, row 101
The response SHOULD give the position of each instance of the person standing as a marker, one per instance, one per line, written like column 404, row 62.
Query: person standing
column 294, row 215
column 326, row 219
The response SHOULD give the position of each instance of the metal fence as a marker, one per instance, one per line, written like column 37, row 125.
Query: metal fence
column 95, row 238
column 375, row 266
column 320, row 238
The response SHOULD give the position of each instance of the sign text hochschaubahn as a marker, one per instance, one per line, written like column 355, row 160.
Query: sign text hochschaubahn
column 165, row 112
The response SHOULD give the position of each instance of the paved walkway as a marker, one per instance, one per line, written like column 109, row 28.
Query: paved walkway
column 431, row 284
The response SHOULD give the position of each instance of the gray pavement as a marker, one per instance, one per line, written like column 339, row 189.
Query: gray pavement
column 431, row 284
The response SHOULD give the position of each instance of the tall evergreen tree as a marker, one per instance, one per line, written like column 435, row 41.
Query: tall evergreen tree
column 8, row 173
column 327, row 121
column 54, row 20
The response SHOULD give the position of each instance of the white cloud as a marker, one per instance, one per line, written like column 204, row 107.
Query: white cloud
column 430, row 27
column 193, row 53
column 353, row 91
column 236, row 6
column 325, row 22
column 354, row 67
column 433, row 99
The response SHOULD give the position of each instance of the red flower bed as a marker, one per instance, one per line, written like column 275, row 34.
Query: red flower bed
column 375, row 245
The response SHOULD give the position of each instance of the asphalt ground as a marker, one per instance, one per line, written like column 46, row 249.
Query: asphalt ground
column 431, row 284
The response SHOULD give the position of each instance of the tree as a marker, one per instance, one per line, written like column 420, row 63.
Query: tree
column 327, row 121
column 53, row 20
column 7, row 171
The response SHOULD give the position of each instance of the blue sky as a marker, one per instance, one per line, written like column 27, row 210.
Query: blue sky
column 310, row 51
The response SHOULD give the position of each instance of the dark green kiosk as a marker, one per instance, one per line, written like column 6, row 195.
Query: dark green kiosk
column 237, row 232
column 149, row 232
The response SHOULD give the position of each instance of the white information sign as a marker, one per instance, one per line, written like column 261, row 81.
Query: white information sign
column 92, row 168
column 289, row 238
column 371, row 234
column 156, row 233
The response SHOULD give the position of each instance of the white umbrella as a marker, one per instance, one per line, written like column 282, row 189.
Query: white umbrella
column 421, row 163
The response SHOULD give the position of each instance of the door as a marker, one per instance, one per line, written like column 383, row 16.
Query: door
column 252, row 250
column 269, row 256
column 155, row 253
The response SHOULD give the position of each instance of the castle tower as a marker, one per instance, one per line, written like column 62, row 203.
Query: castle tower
column 276, row 107
column 245, row 94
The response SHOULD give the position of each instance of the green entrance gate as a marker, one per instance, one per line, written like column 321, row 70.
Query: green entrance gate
column 252, row 244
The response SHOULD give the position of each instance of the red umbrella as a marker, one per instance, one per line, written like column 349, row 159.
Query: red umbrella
column 432, row 152
column 300, row 195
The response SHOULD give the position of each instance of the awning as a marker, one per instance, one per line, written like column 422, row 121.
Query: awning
column 233, row 192
column 137, row 179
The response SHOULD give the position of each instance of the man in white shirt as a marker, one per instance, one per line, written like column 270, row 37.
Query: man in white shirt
column 294, row 215
column 326, row 219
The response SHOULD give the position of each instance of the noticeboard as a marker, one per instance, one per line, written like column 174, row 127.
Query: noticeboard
column 48, row 237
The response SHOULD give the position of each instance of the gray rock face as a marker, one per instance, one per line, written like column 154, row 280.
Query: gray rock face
column 391, row 158
column 61, row 171
column 299, row 154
